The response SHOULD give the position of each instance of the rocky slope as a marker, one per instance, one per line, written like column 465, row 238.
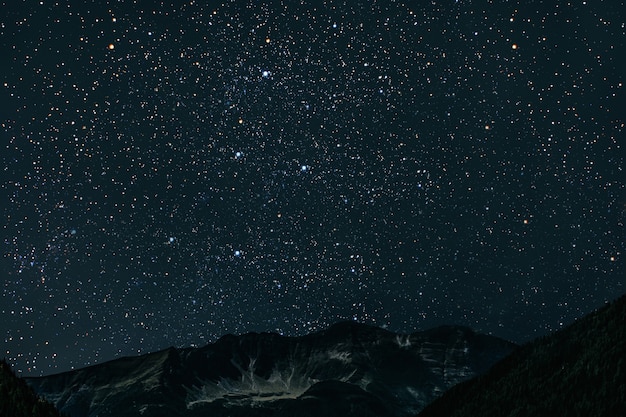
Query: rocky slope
column 578, row 371
column 17, row 399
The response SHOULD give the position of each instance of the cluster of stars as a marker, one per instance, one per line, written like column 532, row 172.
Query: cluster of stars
column 177, row 172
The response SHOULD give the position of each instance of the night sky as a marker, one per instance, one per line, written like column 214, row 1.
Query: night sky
column 175, row 171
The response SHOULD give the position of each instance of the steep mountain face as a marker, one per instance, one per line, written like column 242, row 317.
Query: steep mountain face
column 578, row 371
column 17, row 399
column 350, row 369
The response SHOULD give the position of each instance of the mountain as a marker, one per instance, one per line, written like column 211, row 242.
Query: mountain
column 17, row 399
column 349, row 369
column 578, row 371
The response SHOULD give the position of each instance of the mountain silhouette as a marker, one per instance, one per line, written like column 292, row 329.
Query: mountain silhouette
column 17, row 399
column 577, row 371
column 349, row 369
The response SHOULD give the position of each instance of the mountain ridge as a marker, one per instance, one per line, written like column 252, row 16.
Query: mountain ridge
column 576, row 371
column 17, row 399
column 268, row 374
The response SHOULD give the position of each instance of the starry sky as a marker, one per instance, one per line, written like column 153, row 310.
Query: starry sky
column 173, row 171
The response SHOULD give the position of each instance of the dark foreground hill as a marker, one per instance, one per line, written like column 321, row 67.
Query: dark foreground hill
column 347, row 370
column 578, row 371
column 17, row 399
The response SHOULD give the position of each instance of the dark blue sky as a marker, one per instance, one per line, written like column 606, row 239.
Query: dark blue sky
column 174, row 172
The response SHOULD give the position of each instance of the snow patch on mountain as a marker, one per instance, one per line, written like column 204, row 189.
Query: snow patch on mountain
column 403, row 341
column 282, row 384
column 341, row 356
